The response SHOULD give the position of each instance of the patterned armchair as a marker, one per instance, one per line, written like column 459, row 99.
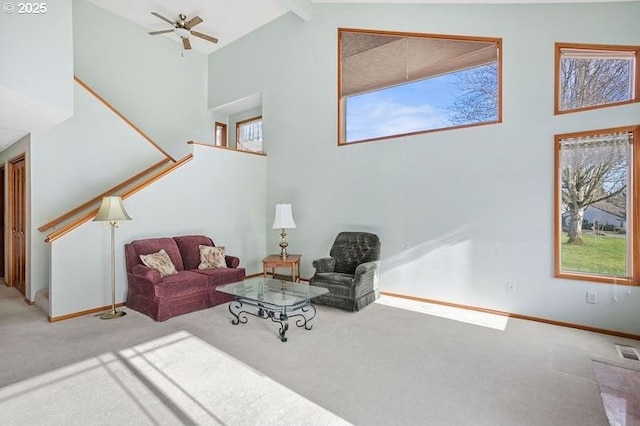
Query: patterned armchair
column 350, row 273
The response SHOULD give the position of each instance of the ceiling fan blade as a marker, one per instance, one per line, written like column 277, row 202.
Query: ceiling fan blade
column 192, row 22
column 186, row 43
column 160, row 32
column 167, row 20
column 204, row 37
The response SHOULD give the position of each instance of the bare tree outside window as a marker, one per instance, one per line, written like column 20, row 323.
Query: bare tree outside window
column 588, row 82
column 476, row 99
column 594, row 76
column 593, row 169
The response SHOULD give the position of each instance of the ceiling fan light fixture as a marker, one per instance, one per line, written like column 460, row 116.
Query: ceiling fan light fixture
column 182, row 32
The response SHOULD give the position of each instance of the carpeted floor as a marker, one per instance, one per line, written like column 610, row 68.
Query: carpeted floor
column 385, row 365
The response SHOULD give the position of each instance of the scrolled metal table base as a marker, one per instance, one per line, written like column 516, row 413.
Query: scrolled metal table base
column 240, row 307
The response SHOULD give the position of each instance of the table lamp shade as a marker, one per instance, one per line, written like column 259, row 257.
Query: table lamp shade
column 111, row 210
column 284, row 217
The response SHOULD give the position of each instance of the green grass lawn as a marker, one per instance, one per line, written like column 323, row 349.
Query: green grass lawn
column 598, row 255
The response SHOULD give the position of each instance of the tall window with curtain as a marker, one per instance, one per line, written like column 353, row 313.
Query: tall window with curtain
column 596, row 195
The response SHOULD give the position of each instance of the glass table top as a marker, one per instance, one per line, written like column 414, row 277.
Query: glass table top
column 274, row 292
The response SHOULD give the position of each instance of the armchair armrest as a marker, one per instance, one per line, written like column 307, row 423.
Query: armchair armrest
column 366, row 277
column 232, row 261
column 325, row 264
column 146, row 273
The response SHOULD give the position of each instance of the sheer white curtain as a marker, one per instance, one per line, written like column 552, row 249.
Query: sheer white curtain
column 595, row 174
column 250, row 135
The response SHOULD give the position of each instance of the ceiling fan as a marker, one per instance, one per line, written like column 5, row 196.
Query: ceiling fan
column 182, row 27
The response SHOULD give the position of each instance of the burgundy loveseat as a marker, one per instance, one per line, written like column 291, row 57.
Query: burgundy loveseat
column 189, row 290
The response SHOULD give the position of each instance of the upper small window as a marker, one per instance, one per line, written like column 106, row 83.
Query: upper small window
column 595, row 76
column 396, row 84
column 249, row 135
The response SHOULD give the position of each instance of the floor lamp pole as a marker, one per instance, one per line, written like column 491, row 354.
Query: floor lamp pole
column 113, row 313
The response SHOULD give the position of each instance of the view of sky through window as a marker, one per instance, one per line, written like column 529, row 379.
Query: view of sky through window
column 411, row 107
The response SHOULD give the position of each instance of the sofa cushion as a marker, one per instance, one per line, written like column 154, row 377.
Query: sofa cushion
column 219, row 276
column 212, row 257
column 159, row 261
column 181, row 284
column 154, row 245
column 337, row 283
column 189, row 246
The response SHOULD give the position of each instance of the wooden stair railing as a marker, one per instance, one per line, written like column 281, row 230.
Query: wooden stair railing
column 88, row 210
column 72, row 213
column 135, row 184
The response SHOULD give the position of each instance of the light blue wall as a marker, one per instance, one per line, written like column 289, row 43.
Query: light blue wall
column 110, row 151
column 142, row 76
column 194, row 199
column 460, row 213
column 36, row 67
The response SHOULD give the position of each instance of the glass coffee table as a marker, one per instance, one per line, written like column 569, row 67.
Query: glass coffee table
column 275, row 299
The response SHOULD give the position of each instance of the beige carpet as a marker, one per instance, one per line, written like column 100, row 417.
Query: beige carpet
column 177, row 379
column 620, row 391
column 389, row 364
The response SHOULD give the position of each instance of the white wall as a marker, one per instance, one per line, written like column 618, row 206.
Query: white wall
column 197, row 198
column 84, row 156
column 142, row 76
column 459, row 212
column 36, row 67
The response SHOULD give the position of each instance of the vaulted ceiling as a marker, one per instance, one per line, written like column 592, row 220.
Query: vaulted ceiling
column 226, row 20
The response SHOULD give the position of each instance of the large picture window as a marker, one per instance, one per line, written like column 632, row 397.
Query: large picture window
column 595, row 76
column 395, row 84
column 596, row 181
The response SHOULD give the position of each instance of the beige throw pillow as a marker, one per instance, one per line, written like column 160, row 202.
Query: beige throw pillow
column 212, row 257
column 159, row 261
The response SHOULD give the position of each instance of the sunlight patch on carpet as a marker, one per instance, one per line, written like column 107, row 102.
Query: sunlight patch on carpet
column 177, row 379
column 620, row 391
column 484, row 319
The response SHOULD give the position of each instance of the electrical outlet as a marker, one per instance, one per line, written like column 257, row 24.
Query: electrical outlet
column 592, row 297
column 511, row 287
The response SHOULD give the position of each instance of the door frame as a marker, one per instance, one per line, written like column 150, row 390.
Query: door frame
column 10, row 218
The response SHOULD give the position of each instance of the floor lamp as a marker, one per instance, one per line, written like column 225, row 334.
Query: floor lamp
column 111, row 210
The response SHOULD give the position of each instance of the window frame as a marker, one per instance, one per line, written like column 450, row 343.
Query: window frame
column 342, row 99
column 238, row 125
column 223, row 134
column 633, row 218
column 635, row 90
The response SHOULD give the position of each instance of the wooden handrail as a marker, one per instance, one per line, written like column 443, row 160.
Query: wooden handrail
column 96, row 199
column 154, row 178
column 210, row 145
column 90, row 215
column 122, row 117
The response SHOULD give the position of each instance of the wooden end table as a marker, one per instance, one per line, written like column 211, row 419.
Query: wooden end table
column 273, row 261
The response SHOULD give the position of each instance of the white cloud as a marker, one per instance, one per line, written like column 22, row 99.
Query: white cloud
column 385, row 118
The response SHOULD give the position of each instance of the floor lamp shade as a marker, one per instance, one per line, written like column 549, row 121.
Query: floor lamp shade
column 112, row 210
column 283, row 220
